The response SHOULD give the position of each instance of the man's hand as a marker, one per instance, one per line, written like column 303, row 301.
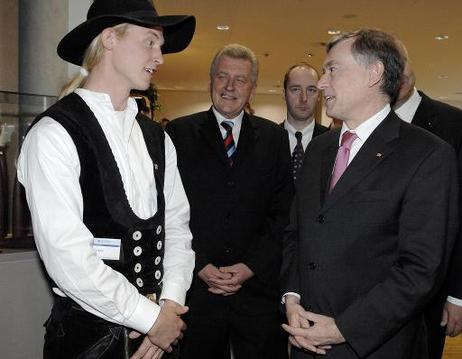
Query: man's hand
column 217, row 281
column 239, row 273
column 319, row 336
column 168, row 328
column 452, row 319
column 147, row 350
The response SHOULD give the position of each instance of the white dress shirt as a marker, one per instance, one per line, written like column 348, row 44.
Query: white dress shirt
column 49, row 169
column 236, row 127
column 408, row 109
column 307, row 135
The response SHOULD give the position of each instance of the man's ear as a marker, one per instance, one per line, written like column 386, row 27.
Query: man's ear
column 376, row 71
column 108, row 37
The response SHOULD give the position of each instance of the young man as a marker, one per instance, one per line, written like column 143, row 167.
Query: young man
column 109, row 212
column 302, row 96
column 235, row 168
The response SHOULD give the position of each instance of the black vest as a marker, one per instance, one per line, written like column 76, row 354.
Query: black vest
column 107, row 212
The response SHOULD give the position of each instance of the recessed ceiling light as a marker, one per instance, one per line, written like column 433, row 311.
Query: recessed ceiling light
column 333, row 32
column 309, row 54
column 223, row 27
column 443, row 97
column 441, row 37
column 272, row 91
column 443, row 77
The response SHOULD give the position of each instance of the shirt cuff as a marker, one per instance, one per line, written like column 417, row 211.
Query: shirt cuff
column 455, row 301
column 283, row 299
column 144, row 316
column 173, row 292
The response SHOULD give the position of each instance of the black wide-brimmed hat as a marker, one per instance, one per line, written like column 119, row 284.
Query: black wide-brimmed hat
column 178, row 29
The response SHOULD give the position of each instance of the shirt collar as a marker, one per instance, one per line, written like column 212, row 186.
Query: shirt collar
column 364, row 130
column 305, row 131
column 407, row 110
column 220, row 118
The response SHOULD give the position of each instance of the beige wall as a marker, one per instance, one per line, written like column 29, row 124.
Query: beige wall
column 9, row 45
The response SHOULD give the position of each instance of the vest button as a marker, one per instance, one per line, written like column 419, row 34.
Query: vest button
column 137, row 268
column 158, row 274
column 137, row 251
column 139, row 282
column 157, row 260
column 159, row 245
column 137, row 235
column 159, row 229
column 321, row 218
column 312, row 265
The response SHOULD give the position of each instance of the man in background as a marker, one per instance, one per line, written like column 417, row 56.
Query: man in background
column 236, row 171
column 302, row 97
column 444, row 313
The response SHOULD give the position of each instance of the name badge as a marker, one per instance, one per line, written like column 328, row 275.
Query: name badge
column 107, row 248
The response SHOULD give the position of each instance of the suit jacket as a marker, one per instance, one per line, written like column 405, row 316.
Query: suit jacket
column 371, row 252
column 237, row 214
column 445, row 121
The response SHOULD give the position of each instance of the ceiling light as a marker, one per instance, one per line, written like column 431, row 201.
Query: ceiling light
column 309, row 54
column 223, row 27
column 272, row 91
column 443, row 77
column 441, row 37
column 333, row 32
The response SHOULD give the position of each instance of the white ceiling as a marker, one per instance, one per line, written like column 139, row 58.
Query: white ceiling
column 284, row 32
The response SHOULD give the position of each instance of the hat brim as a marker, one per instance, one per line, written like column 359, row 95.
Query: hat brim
column 178, row 32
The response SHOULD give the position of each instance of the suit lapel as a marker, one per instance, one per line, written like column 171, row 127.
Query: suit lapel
column 211, row 134
column 377, row 147
column 247, row 139
column 424, row 115
column 327, row 165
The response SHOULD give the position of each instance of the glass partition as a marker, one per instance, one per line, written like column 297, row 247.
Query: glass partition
column 17, row 111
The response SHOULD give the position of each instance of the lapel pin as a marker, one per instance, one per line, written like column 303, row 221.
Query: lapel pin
column 379, row 154
column 156, row 167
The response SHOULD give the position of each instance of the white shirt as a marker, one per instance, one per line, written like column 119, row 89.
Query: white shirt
column 49, row 169
column 364, row 130
column 408, row 109
column 236, row 127
column 307, row 135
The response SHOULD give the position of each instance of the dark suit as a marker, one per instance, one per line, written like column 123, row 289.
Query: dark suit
column 237, row 215
column 446, row 122
column 371, row 253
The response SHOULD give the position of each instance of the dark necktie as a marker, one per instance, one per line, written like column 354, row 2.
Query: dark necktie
column 343, row 155
column 230, row 147
column 297, row 155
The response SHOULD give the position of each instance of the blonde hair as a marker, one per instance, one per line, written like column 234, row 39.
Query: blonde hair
column 91, row 58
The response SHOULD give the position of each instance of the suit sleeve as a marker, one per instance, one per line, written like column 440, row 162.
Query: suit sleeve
column 260, row 257
column 427, row 229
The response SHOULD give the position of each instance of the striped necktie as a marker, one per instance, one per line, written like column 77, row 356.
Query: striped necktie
column 230, row 147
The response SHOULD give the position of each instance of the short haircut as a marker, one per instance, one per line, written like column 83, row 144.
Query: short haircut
column 300, row 64
column 236, row 51
column 372, row 45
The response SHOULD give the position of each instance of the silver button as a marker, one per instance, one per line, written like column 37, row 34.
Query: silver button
column 137, row 235
column 157, row 274
column 159, row 245
column 159, row 229
column 137, row 251
column 157, row 260
column 137, row 268
column 139, row 282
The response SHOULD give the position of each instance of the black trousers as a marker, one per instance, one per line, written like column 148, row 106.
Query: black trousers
column 210, row 336
column 73, row 333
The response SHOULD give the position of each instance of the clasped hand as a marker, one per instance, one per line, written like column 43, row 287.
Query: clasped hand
column 225, row 280
column 314, row 332
column 167, row 331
